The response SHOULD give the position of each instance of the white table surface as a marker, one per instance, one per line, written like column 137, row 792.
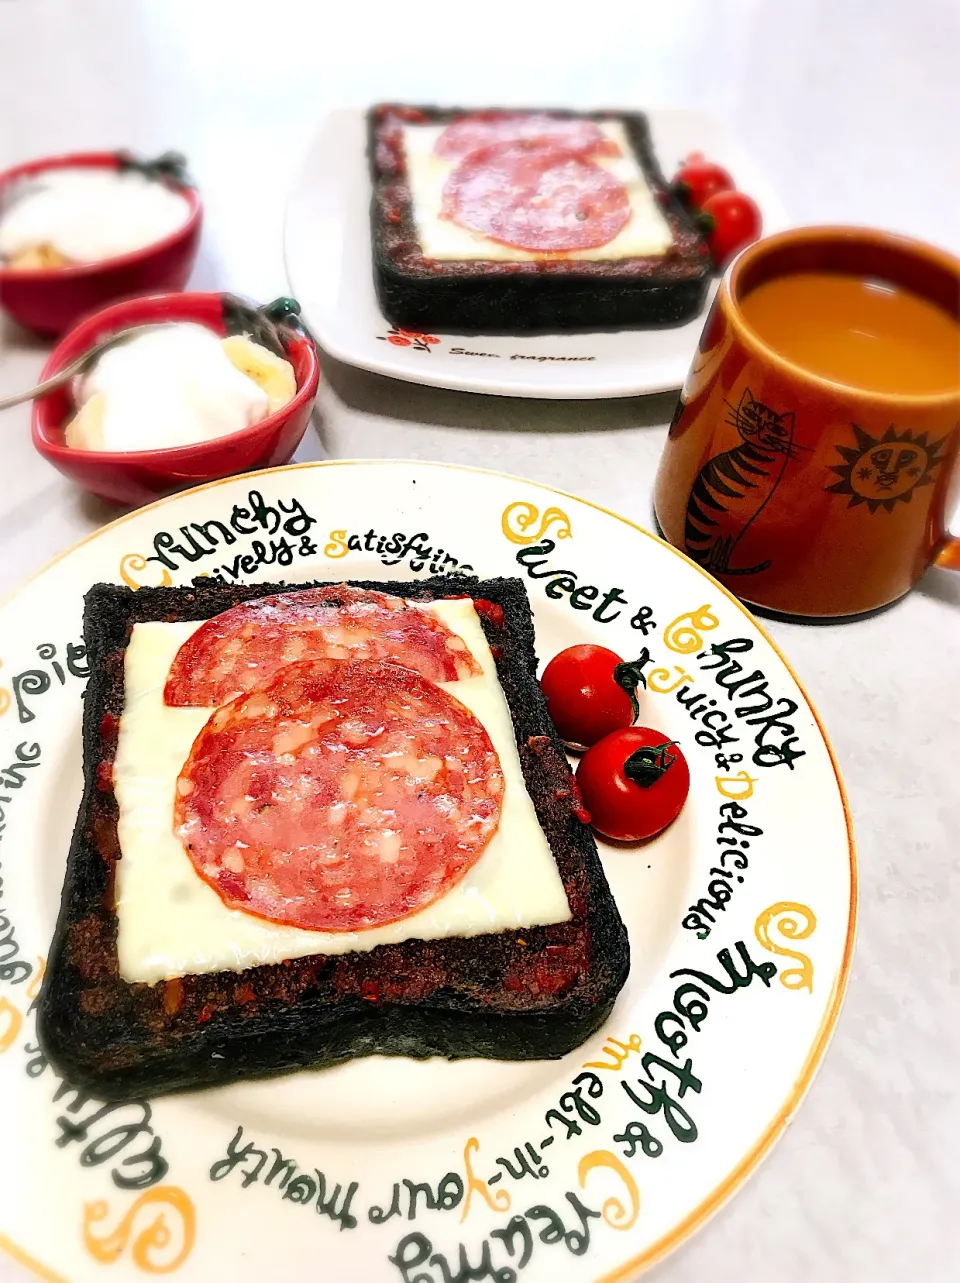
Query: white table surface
column 853, row 108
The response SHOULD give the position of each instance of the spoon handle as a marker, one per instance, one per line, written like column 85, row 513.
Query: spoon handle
column 79, row 365
column 48, row 385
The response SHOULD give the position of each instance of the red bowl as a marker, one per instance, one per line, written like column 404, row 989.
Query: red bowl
column 50, row 300
column 133, row 477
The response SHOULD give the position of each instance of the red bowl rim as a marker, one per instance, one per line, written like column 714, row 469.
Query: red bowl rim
column 72, row 271
column 169, row 455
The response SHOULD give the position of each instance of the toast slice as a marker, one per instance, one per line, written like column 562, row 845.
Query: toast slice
column 542, row 295
column 534, row 993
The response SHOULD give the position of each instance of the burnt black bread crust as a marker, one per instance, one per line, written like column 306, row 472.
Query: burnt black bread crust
column 516, row 995
column 510, row 298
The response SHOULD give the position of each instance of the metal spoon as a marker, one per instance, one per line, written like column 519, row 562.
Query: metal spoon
column 81, row 364
column 265, row 325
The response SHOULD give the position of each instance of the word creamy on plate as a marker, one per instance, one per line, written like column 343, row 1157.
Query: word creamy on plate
column 177, row 385
column 84, row 215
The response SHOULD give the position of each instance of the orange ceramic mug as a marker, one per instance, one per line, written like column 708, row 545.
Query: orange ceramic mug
column 810, row 494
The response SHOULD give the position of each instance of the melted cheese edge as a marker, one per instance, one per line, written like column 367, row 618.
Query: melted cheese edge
column 172, row 923
column 645, row 234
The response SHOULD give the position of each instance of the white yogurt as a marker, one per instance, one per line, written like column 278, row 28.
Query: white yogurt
column 171, row 387
column 91, row 214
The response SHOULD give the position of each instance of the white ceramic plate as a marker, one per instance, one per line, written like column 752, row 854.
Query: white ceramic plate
column 329, row 266
column 582, row 1169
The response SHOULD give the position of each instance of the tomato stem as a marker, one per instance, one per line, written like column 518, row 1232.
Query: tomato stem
column 629, row 675
column 705, row 223
column 650, row 763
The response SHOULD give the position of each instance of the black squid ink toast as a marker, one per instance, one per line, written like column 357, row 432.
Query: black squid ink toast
column 534, row 993
column 478, row 296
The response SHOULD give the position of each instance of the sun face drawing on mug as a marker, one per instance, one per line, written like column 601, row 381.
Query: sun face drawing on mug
column 882, row 471
column 733, row 488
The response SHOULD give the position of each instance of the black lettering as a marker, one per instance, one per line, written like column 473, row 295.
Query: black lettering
column 328, row 1206
column 300, row 521
column 554, row 1229
column 224, row 1166
column 156, row 1167
column 644, row 620
column 688, row 698
column 638, row 1136
column 404, row 549
column 163, row 541
column 450, row 1191
column 738, row 980
column 528, row 1163
column 675, row 1041
column 412, row 1251
column 377, row 1215
column 578, row 1241
column 237, row 519
column 260, row 552
column 656, row 1100
column 695, row 1010
column 112, row 1142
column 721, row 652
column 282, row 550
column 467, row 1273
column 264, row 514
column 38, row 1062
column 282, row 1167
column 715, row 738
column 76, row 654
column 301, row 1189
column 609, row 598
column 565, row 581
column 516, row 1227
column 581, row 598
column 35, row 681
column 227, row 536
column 189, row 549
column 413, row 1192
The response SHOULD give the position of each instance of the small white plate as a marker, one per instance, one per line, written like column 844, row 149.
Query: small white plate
column 581, row 1170
column 329, row 266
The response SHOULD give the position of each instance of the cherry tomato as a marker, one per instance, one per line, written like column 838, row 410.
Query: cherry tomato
column 736, row 221
column 699, row 179
column 590, row 692
column 634, row 783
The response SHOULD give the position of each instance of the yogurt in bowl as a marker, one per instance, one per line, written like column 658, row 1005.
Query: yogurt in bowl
column 177, row 385
column 263, row 344
column 78, row 215
column 106, row 202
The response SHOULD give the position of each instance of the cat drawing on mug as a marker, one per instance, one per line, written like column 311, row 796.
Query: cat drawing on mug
column 733, row 488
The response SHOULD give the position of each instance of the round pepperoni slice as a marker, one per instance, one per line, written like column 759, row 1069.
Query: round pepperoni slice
column 242, row 648
column 470, row 133
column 342, row 796
column 535, row 197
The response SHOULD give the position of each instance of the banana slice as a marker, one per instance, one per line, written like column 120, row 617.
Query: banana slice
column 271, row 373
column 85, row 429
column 37, row 258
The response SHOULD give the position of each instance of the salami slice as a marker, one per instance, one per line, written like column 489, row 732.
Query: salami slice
column 341, row 796
column 470, row 133
column 536, row 197
column 242, row 648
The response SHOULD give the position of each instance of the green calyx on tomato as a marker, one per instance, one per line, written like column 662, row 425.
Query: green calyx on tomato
column 628, row 676
column 650, row 763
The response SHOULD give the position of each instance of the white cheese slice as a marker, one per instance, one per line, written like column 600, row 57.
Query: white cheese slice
column 172, row 923
column 646, row 233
